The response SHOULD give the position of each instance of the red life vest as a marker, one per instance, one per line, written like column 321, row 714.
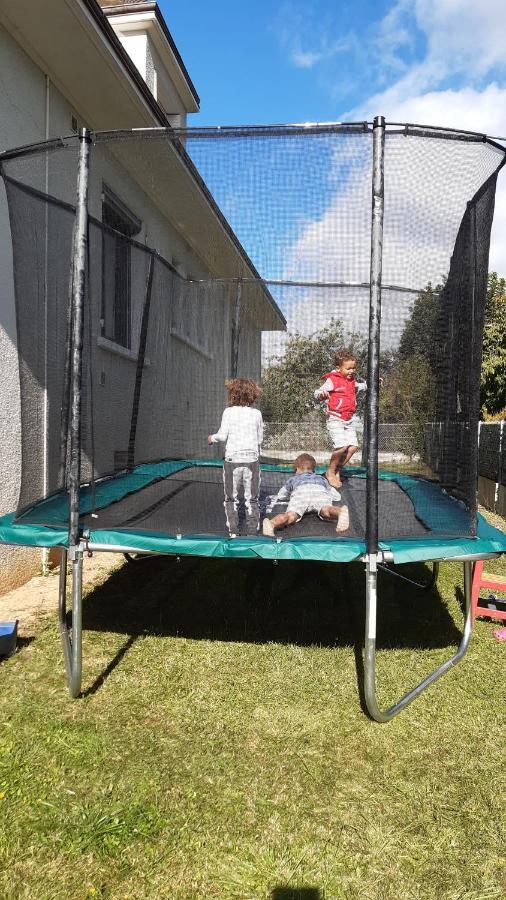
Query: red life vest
column 342, row 401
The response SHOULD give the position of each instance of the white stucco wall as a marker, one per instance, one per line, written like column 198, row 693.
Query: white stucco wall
column 183, row 387
column 136, row 45
column 144, row 54
column 25, row 100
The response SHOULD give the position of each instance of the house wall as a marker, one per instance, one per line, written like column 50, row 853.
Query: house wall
column 30, row 109
column 189, row 348
column 147, row 59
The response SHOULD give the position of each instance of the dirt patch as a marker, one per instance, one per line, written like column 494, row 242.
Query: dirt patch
column 38, row 597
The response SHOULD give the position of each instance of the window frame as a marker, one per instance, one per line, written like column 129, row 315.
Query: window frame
column 121, row 224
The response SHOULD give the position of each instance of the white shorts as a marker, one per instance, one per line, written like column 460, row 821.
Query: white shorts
column 309, row 498
column 342, row 433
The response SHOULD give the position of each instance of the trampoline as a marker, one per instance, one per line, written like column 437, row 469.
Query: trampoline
column 151, row 265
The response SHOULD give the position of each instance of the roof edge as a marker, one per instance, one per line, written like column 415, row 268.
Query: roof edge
column 126, row 8
column 106, row 28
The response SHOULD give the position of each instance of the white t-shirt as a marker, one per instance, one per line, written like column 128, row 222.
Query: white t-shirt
column 242, row 428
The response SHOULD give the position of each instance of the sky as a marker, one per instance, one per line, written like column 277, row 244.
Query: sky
column 436, row 62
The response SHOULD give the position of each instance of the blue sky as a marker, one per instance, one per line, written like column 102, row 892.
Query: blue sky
column 438, row 62
column 275, row 60
column 306, row 60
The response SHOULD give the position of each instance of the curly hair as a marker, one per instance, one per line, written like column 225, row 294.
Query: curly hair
column 305, row 461
column 242, row 391
column 343, row 356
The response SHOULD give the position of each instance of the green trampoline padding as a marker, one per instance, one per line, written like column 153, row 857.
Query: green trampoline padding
column 45, row 524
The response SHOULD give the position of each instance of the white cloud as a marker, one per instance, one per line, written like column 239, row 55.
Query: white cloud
column 429, row 182
column 461, row 39
column 464, row 41
column 463, row 35
column 469, row 109
column 306, row 37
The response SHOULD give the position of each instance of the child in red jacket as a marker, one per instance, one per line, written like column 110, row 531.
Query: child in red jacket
column 339, row 390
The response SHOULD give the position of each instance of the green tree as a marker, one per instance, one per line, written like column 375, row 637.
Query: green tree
column 290, row 379
column 408, row 391
column 420, row 330
column 493, row 370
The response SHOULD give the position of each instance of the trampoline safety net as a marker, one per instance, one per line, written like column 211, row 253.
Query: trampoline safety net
column 215, row 254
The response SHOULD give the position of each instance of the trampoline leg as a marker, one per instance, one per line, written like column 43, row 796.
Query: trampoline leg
column 72, row 644
column 370, row 646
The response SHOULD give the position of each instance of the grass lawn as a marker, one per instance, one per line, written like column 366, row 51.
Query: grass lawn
column 221, row 751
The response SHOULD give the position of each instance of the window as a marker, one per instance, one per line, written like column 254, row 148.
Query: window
column 122, row 224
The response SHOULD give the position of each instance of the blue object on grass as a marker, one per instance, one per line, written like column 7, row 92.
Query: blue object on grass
column 8, row 637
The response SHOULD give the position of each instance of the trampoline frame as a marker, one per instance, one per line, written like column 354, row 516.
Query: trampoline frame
column 374, row 559
column 72, row 636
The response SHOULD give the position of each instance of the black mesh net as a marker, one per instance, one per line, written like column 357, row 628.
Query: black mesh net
column 245, row 253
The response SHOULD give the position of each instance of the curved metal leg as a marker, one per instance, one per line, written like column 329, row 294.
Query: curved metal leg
column 72, row 643
column 370, row 646
column 422, row 586
column 133, row 557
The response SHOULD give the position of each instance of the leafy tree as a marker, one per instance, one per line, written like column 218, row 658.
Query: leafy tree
column 418, row 337
column 493, row 371
column 290, row 379
column 408, row 392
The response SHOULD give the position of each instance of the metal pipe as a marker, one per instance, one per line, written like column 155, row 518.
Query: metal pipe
column 236, row 329
column 474, row 367
column 77, row 626
column 71, row 643
column 72, row 648
column 421, row 586
column 499, row 465
column 378, row 190
column 79, row 255
column 223, row 132
column 62, row 611
column 370, row 647
column 45, row 415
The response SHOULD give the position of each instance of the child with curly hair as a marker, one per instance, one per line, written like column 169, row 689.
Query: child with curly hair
column 241, row 430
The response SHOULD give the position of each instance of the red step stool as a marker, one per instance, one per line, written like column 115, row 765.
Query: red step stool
column 481, row 580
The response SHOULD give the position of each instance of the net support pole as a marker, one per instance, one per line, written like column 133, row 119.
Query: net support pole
column 378, row 191
column 474, row 373
column 236, row 330
column 73, row 645
column 79, row 255
column 381, row 715
column 141, row 359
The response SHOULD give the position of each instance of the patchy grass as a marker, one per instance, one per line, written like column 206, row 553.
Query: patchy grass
column 221, row 751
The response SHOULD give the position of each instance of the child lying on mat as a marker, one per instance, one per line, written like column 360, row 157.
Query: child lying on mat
column 307, row 492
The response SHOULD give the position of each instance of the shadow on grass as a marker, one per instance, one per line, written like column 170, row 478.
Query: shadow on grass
column 110, row 667
column 302, row 603
column 21, row 643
